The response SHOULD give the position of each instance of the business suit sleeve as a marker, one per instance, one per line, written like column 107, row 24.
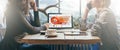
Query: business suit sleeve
column 29, row 27
column 36, row 19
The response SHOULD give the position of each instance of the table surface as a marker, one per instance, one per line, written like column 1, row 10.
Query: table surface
column 60, row 39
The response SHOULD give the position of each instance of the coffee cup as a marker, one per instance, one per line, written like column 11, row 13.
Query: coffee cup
column 51, row 32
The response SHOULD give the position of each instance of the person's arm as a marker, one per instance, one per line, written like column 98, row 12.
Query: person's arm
column 33, row 5
column 83, row 24
column 29, row 27
column 87, row 9
column 85, row 14
column 36, row 13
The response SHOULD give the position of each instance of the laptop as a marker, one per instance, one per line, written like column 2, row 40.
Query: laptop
column 61, row 22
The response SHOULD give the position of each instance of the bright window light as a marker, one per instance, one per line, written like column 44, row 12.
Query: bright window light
column 3, row 4
column 115, row 7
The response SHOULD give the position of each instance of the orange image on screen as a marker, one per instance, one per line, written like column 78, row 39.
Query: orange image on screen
column 59, row 20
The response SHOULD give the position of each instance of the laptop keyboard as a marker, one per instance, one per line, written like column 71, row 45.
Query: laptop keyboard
column 68, row 30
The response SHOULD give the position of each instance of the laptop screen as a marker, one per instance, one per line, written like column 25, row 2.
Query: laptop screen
column 58, row 20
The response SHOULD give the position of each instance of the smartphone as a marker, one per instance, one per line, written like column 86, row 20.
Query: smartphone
column 89, row 5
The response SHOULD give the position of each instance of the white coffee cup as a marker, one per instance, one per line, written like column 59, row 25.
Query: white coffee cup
column 51, row 32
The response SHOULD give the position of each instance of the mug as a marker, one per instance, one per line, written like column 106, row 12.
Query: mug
column 51, row 32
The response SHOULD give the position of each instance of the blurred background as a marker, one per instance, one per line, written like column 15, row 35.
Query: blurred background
column 74, row 7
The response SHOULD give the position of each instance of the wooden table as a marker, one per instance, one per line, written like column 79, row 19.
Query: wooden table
column 60, row 39
column 65, row 41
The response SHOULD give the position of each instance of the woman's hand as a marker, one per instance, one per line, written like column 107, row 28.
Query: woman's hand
column 47, row 25
column 33, row 5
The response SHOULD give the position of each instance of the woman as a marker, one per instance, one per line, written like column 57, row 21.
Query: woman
column 105, row 24
column 17, row 24
column 34, row 21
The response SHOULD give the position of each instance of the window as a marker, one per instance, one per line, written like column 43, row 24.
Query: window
column 45, row 3
column 74, row 7
column 63, row 6
column 71, row 7
column 3, row 4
